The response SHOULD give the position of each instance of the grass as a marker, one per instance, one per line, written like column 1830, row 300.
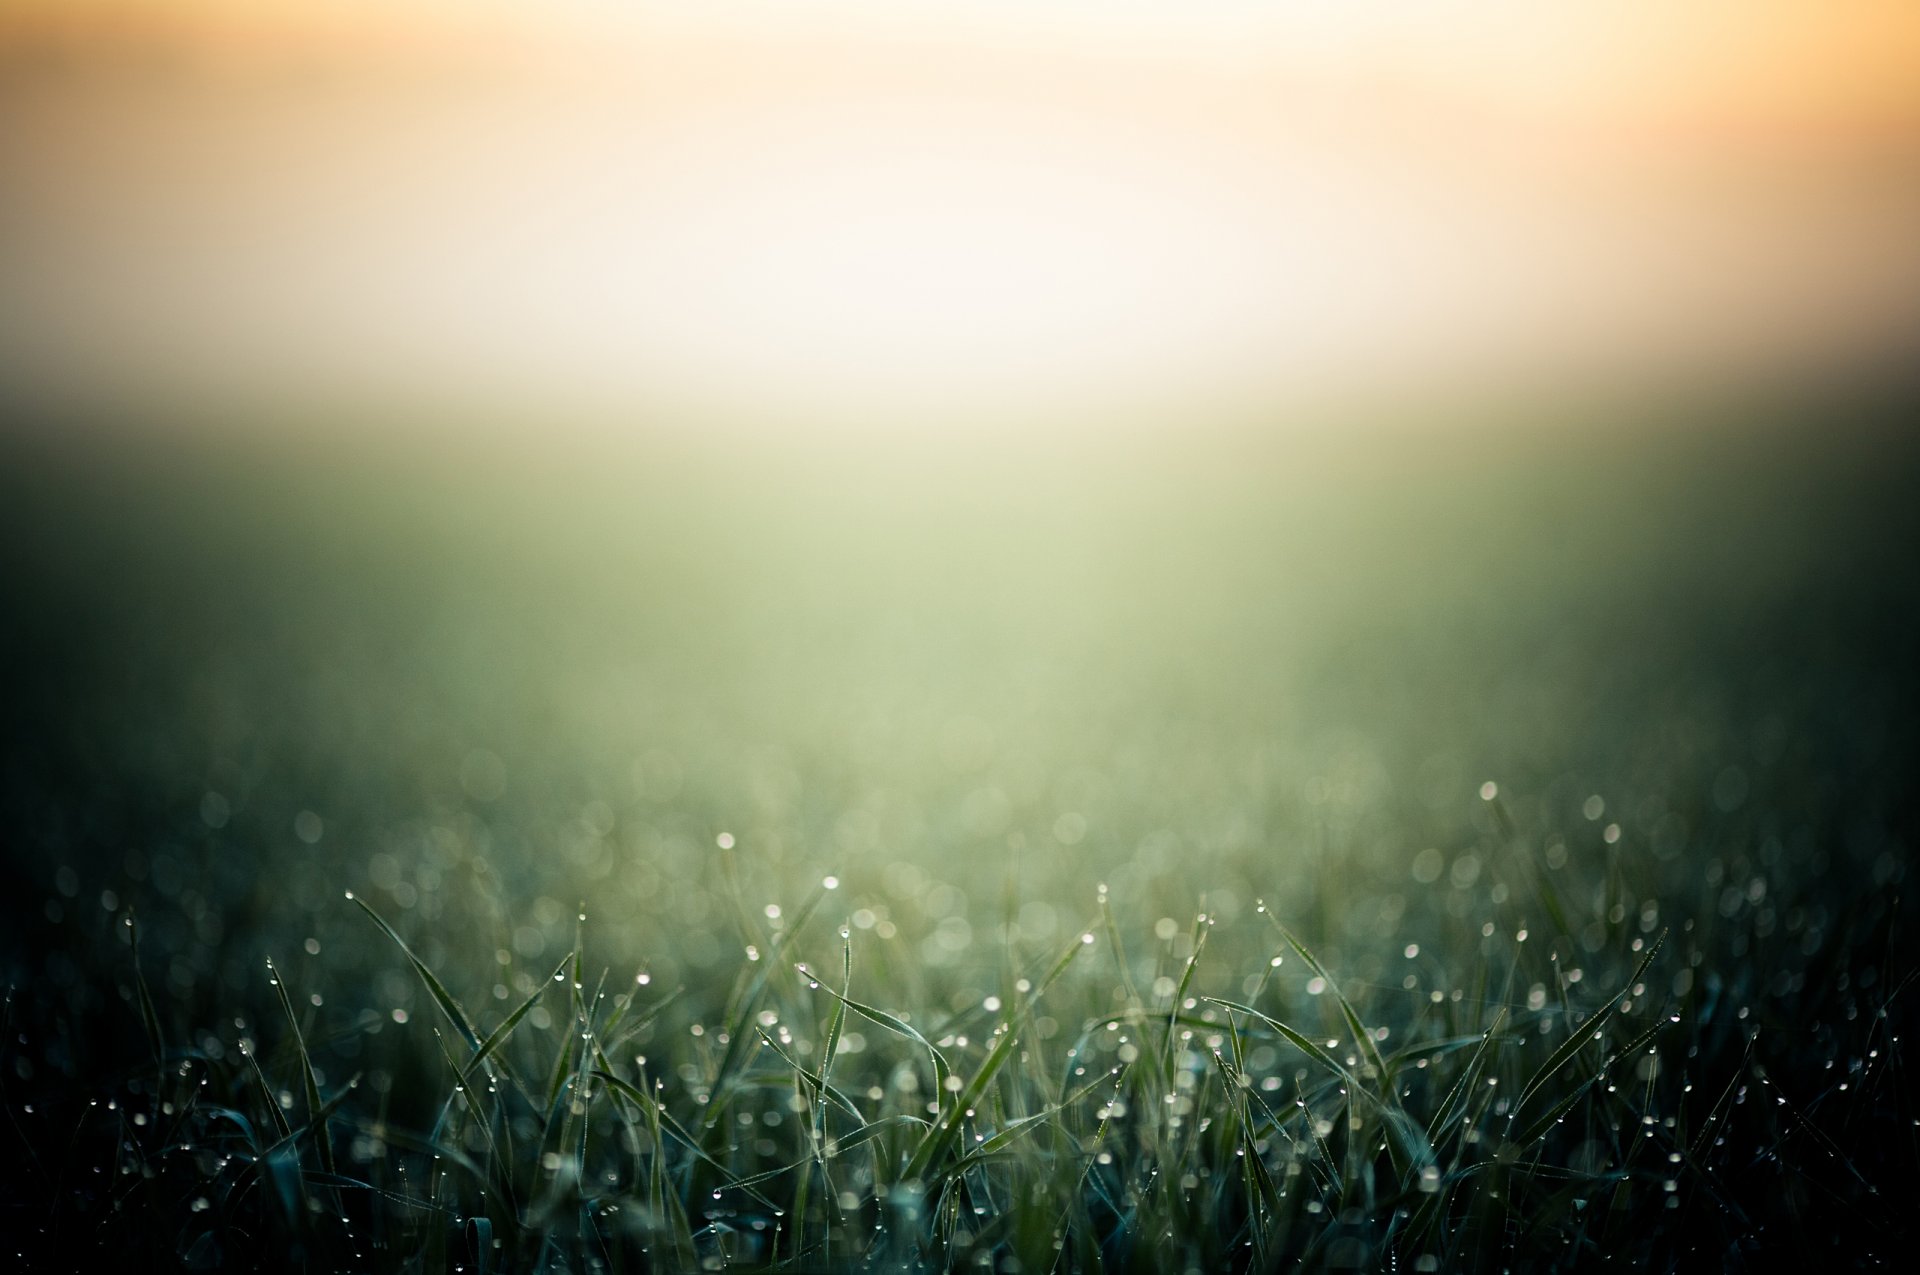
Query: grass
column 1486, row 858
column 1233, row 1117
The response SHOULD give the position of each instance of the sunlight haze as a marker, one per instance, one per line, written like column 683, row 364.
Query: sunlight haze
column 935, row 214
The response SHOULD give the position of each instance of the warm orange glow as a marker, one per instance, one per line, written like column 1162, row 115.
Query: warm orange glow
column 937, row 212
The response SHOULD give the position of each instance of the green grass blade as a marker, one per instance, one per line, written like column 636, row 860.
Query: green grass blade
column 1311, row 1048
column 1369, row 1048
column 1570, row 1048
column 1201, row 928
column 322, row 1143
column 1544, row 1125
column 831, row 1044
column 740, row 1013
column 898, row 1026
column 944, row 1131
column 641, row 1099
column 435, row 988
column 149, row 1019
column 498, row 1036
column 820, row 1089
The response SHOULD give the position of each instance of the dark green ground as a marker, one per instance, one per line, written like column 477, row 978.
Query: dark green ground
column 973, row 683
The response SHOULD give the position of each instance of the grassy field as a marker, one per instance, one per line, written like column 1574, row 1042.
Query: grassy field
column 1461, row 848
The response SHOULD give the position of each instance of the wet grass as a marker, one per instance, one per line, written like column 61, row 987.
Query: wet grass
column 1640, row 1099
column 1231, row 864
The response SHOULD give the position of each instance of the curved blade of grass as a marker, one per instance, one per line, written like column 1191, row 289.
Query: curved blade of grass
column 149, row 1019
column 661, row 1203
column 1571, row 1047
column 563, row 1064
column 1015, row 1129
column 898, row 1026
column 1311, row 1048
column 585, row 1011
column 267, row 1096
column 1254, row 1178
column 623, row 1005
column 1398, row 1059
column 1369, row 1048
column 1544, row 1125
column 396, row 1136
column 944, row 1131
column 627, row 1123
column 947, row 1128
column 483, row 1244
column 862, row 1135
column 1455, row 1101
column 322, row 1143
column 641, row 1099
column 821, row 1089
column 740, row 1014
column 831, row 1044
column 239, row 1119
column 1409, row 1145
column 1059, row 966
column 498, row 1036
column 386, row 1193
column 435, row 988
column 464, row 1093
column 631, row 1027
column 289, row 1140
column 1119, row 952
column 1200, row 931
column 1255, row 1181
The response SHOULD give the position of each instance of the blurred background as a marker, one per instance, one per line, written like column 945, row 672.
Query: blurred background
column 922, row 216
column 491, row 457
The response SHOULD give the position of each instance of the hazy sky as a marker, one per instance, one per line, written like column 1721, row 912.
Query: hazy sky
column 930, row 212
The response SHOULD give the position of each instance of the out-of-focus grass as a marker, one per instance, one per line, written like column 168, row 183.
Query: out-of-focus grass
column 1477, row 717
